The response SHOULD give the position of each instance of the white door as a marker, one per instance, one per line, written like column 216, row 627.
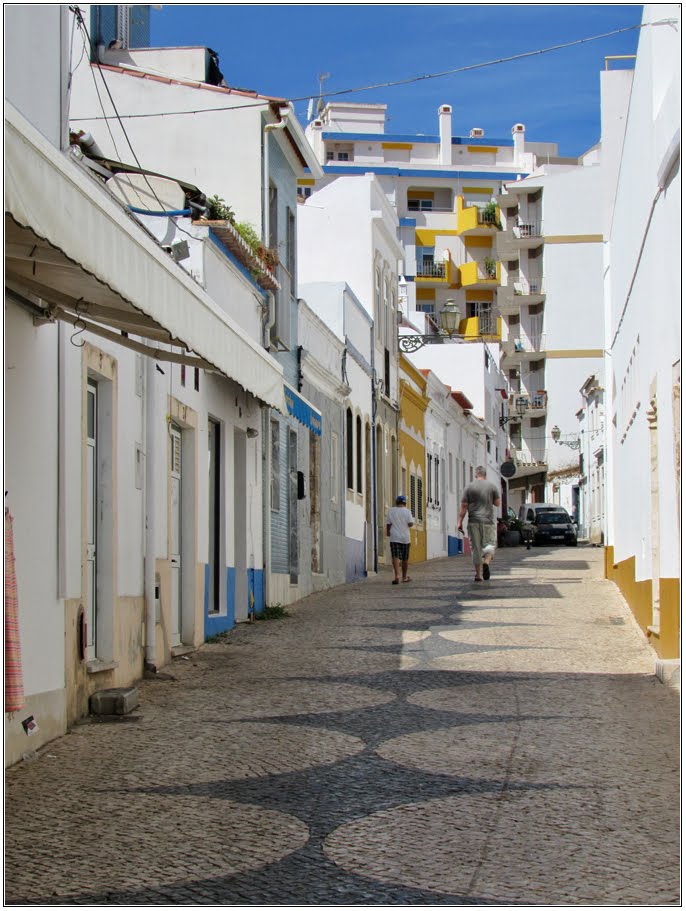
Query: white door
column 175, row 543
column 91, row 517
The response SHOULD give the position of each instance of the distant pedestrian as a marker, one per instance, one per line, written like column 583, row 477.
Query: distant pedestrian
column 399, row 521
column 478, row 501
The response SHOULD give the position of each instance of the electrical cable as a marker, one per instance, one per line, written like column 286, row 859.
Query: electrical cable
column 406, row 81
column 82, row 26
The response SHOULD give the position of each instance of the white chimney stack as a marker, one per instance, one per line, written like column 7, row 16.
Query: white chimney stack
column 445, row 131
column 518, row 135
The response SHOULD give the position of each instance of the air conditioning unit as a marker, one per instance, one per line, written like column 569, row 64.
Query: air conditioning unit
column 476, row 133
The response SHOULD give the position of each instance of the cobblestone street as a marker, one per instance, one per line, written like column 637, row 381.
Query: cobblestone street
column 439, row 742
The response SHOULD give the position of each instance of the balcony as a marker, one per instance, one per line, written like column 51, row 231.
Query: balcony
column 528, row 406
column 522, row 348
column 434, row 273
column 477, row 275
column 481, row 329
column 529, row 463
column 527, row 235
column 477, row 220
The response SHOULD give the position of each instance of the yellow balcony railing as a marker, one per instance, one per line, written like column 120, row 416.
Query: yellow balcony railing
column 481, row 328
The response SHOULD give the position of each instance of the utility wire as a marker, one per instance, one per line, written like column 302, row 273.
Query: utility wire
column 86, row 36
column 408, row 80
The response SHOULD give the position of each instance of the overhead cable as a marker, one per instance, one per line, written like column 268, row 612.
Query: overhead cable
column 408, row 80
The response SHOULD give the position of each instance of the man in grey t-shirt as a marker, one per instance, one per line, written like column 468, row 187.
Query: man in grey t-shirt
column 478, row 501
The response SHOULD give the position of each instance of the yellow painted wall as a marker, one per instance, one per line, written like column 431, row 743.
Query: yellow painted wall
column 638, row 595
column 478, row 240
column 426, row 294
column 413, row 405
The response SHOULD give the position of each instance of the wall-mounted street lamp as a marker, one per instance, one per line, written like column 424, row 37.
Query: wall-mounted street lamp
column 450, row 321
column 521, row 406
column 574, row 443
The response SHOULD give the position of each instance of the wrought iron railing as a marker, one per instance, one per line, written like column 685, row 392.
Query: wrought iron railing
column 431, row 270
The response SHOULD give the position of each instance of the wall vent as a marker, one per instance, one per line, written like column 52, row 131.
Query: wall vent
column 476, row 133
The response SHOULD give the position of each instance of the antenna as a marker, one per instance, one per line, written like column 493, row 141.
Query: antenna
column 320, row 103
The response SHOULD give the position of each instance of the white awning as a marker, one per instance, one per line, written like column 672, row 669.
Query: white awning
column 71, row 245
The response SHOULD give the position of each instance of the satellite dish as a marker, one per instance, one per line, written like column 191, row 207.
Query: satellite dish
column 508, row 469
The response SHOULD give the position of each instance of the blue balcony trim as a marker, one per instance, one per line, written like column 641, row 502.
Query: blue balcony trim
column 436, row 175
column 408, row 222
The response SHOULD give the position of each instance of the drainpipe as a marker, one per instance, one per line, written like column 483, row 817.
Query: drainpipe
column 266, row 504
column 150, row 519
column 268, row 128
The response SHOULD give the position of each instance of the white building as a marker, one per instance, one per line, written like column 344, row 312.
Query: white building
column 323, row 363
column 643, row 337
column 256, row 153
column 347, row 232
column 347, row 318
column 107, row 444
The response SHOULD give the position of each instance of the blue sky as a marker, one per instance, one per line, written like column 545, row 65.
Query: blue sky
column 280, row 49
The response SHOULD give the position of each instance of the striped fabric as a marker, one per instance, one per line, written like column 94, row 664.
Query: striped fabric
column 14, row 684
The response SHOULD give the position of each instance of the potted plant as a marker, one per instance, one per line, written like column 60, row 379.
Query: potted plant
column 217, row 210
column 490, row 214
column 489, row 266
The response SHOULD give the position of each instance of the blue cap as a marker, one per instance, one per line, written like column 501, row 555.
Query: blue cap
column 401, row 498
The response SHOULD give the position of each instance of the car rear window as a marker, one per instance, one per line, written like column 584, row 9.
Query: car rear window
column 553, row 518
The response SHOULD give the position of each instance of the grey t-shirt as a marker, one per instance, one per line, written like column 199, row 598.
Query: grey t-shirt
column 480, row 497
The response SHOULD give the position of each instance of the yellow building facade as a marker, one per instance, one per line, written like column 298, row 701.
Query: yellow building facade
column 414, row 402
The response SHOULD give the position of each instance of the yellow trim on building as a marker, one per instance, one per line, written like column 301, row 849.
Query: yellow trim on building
column 573, row 239
column 574, row 352
column 413, row 405
column 426, row 294
column 420, row 194
column 396, row 145
column 478, row 295
column 426, row 237
column 488, row 149
column 305, row 181
column 485, row 191
column 478, row 240
column 639, row 597
column 469, row 329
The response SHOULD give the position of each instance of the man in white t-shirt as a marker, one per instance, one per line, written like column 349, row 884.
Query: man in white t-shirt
column 398, row 523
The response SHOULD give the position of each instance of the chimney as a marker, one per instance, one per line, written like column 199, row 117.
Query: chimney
column 445, row 130
column 518, row 135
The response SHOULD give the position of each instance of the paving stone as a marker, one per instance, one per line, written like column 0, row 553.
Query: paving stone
column 435, row 744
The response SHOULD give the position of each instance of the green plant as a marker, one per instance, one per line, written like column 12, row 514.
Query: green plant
column 218, row 637
column 249, row 235
column 491, row 215
column 490, row 267
column 219, row 211
column 272, row 612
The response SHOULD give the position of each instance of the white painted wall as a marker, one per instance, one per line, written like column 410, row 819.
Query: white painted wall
column 31, row 485
column 644, row 307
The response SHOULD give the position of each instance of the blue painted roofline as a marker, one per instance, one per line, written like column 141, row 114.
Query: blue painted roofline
column 237, row 263
column 414, row 172
column 386, row 137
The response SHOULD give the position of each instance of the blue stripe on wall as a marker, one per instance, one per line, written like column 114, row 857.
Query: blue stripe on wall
column 412, row 172
column 220, row 623
column 256, row 587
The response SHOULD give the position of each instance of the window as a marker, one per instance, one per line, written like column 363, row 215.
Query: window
column 273, row 216
column 183, row 374
column 377, row 301
column 290, row 246
column 343, row 156
column 429, row 462
column 420, row 205
column 304, row 192
column 387, row 372
column 276, row 465
column 349, row 448
column 413, row 495
column 437, row 481
column 196, row 379
column 450, row 472
column 358, row 453
column 420, row 501
column 214, row 515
